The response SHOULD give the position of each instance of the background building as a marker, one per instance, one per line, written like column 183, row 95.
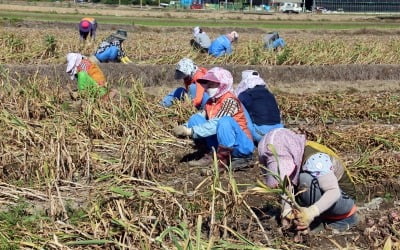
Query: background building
column 362, row 6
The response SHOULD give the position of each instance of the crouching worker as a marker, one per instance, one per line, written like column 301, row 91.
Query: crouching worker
column 222, row 125
column 260, row 104
column 223, row 44
column 90, row 79
column 190, row 73
column 272, row 41
column 318, row 177
column 110, row 50
column 200, row 40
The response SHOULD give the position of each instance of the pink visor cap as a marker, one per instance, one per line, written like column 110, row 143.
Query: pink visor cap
column 217, row 74
column 209, row 76
column 221, row 76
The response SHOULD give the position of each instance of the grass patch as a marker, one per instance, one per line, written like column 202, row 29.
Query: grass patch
column 169, row 21
column 16, row 220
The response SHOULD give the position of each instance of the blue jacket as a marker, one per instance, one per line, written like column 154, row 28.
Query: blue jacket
column 220, row 46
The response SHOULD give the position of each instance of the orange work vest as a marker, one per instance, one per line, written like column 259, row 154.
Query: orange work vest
column 93, row 71
column 89, row 19
column 199, row 89
column 214, row 105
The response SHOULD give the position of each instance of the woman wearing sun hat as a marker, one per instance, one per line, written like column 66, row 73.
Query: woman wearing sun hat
column 90, row 78
column 87, row 26
column 222, row 125
column 200, row 40
column 223, row 44
column 189, row 72
column 324, row 189
column 110, row 50
column 272, row 41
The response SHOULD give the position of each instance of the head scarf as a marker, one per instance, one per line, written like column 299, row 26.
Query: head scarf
column 73, row 61
column 220, row 75
column 233, row 36
column 184, row 68
column 289, row 148
column 196, row 30
column 250, row 79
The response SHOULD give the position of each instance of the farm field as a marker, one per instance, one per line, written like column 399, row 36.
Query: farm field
column 76, row 173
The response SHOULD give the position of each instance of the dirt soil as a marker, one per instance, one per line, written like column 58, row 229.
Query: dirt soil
column 377, row 221
column 379, row 218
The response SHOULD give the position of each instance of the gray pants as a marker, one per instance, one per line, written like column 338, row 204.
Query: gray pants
column 313, row 193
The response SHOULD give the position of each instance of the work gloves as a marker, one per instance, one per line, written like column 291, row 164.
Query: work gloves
column 305, row 216
column 182, row 131
column 125, row 60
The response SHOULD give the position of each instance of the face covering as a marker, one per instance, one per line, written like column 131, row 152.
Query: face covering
column 212, row 91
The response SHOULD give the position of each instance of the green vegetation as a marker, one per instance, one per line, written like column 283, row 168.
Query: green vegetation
column 178, row 22
column 147, row 46
column 83, row 174
column 145, row 198
column 16, row 221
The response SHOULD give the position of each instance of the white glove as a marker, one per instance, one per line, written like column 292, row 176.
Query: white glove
column 305, row 216
column 182, row 131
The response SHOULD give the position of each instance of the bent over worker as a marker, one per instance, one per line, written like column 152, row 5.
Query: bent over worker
column 223, row 44
column 110, row 50
column 87, row 27
column 90, row 78
column 272, row 41
column 200, row 40
column 320, row 179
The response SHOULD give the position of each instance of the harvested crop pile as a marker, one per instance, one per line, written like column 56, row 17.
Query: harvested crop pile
column 146, row 46
column 108, row 174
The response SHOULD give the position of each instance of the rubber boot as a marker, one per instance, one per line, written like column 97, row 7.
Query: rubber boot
column 205, row 161
column 226, row 160
column 238, row 164
column 224, row 157
column 202, row 156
